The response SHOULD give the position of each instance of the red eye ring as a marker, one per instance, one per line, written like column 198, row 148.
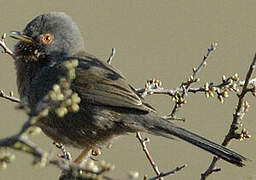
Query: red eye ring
column 46, row 38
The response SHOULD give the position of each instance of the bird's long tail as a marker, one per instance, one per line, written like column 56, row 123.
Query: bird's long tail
column 159, row 126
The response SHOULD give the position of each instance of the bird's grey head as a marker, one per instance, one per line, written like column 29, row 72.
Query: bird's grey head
column 53, row 34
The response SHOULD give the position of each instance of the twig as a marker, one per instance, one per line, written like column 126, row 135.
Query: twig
column 237, row 116
column 113, row 52
column 145, row 149
column 7, row 51
column 143, row 93
column 11, row 98
column 185, row 85
column 178, row 94
column 153, row 89
column 210, row 50
column 65, row 154
column 22, row 138
column 252, row 81
column 169, row 172
column 5, row 48
column 71, row 171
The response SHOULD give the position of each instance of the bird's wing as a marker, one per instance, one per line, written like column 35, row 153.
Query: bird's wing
column 99, row 83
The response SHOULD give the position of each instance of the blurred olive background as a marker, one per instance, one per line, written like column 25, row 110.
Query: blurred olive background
column 153, row 39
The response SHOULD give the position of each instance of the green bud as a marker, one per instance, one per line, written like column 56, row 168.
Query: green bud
column 34, row 130
column 68, row 102
column 68, row 65
column 56, row 88
column 60, row 112
column 44, row 113
column 72, row 74
column 17, row 145
column 60, row 97
column 75, row 98
column 75, row 107
column 68, row 92
column 74, row 63
column 3, row 165
column 225, row 94
column 11, row 157
column 224, row 78
column 52, row 95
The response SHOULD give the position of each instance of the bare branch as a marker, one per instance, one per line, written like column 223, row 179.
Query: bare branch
column 237, row 117
column 65, row 154
column 11, row 98
column 21, row 138
column 113, row 52
column 5, row 47
column 200, row 66
column 169, row 172
column 145, row 149
column 185, row 85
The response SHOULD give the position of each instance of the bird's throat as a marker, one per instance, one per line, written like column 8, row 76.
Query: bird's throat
column 26, row 72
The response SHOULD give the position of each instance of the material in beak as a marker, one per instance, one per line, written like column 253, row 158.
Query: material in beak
column 20, row 36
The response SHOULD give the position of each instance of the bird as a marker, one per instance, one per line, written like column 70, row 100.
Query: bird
column 110, row 106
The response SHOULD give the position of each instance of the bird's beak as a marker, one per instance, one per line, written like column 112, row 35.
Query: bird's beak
column 21, row 36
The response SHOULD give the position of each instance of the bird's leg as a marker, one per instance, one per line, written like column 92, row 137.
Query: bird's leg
column 82, row 155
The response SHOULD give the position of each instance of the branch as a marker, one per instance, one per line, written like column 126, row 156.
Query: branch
column 10, row 97
column 185, row 85
column 65, row 154
column 113, row 52
column 72, row 171
column 237, row 117
column 169, row 172
column 145, row 149
column 5, row 47
column 156, row 86
column 20, row 141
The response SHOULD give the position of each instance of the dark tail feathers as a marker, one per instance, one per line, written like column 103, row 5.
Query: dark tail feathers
column 167, row 129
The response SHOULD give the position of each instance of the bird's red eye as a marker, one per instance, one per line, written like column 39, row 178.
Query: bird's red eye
column 46, row 39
